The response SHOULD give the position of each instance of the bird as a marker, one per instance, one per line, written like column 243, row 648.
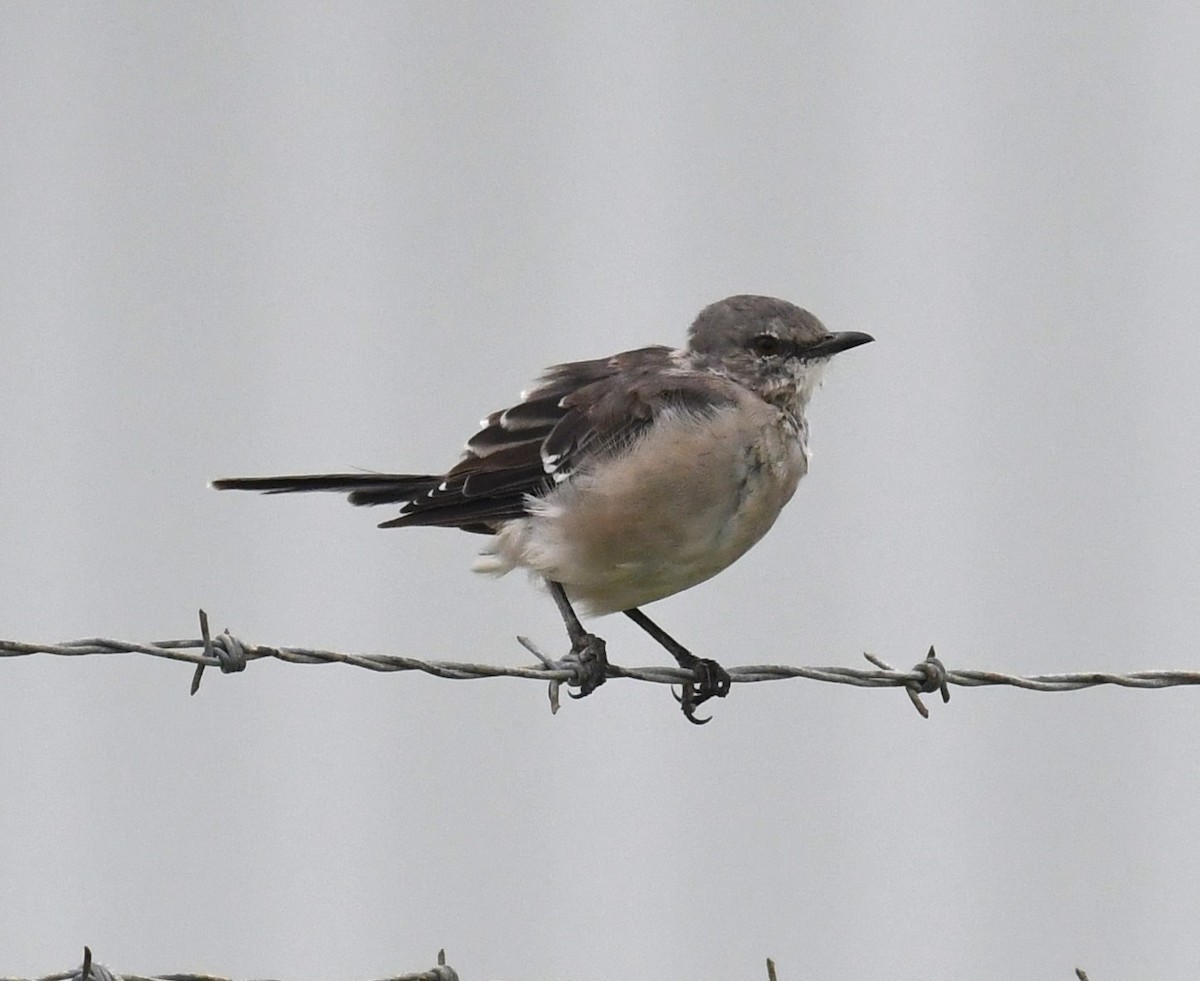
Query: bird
column 623, row 480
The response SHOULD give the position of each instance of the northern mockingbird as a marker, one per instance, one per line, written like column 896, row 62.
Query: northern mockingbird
column 623, row 480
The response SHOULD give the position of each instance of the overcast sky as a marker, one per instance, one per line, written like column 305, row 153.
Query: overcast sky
column 261, row 238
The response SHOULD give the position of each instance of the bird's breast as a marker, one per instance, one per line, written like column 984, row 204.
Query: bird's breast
column 672, row 509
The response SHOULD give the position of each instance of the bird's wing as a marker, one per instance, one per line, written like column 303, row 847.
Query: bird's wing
column 576, row 414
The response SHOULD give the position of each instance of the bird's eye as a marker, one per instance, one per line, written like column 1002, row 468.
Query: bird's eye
column 766, row 345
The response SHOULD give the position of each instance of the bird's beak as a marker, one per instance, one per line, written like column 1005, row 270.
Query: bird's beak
column 836, row 343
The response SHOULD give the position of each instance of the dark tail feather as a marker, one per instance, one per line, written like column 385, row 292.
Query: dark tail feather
column 361, row 488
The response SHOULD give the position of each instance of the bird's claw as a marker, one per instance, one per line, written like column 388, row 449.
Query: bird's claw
column 712, row 681
column 590, row 653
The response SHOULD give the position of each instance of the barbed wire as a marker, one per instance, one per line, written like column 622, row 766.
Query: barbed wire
column 89, row 970
column 230, row 655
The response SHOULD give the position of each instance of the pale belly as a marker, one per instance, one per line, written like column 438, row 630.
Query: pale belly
column 675, row 510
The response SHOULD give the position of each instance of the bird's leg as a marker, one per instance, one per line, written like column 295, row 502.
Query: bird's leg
column 588, row 649
column 711, row 678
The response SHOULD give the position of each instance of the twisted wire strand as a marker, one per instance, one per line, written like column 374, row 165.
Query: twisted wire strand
column 90, row 970
column 229, row 654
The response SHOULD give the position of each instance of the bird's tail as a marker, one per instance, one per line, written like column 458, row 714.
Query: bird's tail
column 360, row 488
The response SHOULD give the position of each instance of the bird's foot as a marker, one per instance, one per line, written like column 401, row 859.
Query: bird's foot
column 587, row 650
column 591, row 654
column 712, row 681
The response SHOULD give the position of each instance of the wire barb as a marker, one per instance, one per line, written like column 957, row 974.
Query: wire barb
column 226, row 650
column 89, row 970
column 931, row 677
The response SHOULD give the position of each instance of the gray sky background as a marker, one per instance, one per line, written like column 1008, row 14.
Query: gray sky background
column 258, row 238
